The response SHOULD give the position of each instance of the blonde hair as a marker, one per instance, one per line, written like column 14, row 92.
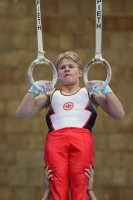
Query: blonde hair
column 70, row 55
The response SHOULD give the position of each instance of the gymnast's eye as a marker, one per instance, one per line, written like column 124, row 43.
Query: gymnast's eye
column 62, row 67
column 71, row 66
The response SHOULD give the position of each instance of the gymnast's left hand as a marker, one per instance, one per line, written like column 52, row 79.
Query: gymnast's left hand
column 93, row 86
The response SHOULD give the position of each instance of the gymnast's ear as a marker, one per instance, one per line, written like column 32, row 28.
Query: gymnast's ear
column 80, row 73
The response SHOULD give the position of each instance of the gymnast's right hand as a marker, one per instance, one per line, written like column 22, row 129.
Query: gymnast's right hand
column 46, row 86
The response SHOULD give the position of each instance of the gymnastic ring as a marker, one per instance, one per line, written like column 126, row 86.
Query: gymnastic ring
column 42, row 61
column 98, row 61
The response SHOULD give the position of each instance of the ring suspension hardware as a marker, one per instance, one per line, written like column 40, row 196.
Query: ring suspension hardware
column 40, row 55
column 98, row 55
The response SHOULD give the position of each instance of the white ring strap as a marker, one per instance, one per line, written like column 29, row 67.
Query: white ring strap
column 40, row 57
column 98, row 55
column 98, row 29
column 39, row 30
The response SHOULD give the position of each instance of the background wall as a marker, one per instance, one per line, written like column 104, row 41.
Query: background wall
column 67, row 25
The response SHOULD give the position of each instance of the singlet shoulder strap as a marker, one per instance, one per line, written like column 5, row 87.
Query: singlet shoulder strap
column 53, row 94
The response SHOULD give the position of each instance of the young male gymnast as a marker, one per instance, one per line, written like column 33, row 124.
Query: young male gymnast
column 71, row 114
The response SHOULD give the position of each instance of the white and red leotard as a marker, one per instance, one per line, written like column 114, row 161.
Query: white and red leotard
column 71, row 111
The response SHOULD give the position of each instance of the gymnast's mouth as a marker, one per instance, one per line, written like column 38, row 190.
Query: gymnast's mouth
column 67, row 75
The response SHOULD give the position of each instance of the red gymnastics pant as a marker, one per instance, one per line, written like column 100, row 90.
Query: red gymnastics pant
column 68, row 152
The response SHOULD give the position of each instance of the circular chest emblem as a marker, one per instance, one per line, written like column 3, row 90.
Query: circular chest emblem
column 68, row 106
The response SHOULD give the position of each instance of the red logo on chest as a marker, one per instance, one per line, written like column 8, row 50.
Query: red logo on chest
column 68, row 106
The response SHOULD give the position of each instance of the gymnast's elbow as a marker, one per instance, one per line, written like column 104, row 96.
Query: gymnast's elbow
column 120, row 115
column 21, row 115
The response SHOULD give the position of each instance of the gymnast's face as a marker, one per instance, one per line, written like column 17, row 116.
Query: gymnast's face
column 68, row 72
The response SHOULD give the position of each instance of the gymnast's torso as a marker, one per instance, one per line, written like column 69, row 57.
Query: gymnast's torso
column 74, row 110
